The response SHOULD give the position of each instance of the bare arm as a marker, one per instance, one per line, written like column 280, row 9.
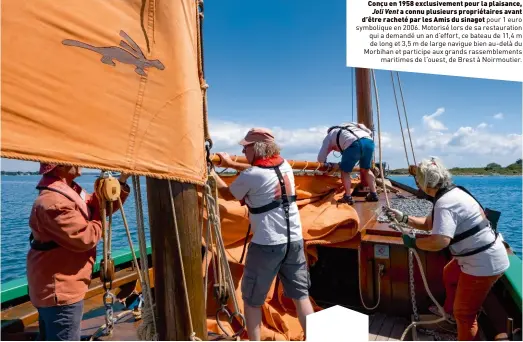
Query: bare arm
column 223, row 188
column 227, row 162
column 324, row 150
column 421, row 223
column 239, row 166
column 433, row 243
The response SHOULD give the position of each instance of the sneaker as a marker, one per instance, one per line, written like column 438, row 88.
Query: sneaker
column 372, row 197
column 435, row 311
column 346, row 199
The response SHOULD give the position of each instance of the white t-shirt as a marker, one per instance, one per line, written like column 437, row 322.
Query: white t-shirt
column 346, row 139
column 260, row 186
column 456, row 212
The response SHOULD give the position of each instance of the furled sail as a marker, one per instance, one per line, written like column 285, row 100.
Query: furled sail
column 104, row 84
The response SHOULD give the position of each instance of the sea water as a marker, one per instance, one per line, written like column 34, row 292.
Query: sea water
column 18, row 193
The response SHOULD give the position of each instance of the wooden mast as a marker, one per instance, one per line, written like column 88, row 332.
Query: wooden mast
column 178, row 233
column 363, row 95
column 364, row 110
column 171, row 309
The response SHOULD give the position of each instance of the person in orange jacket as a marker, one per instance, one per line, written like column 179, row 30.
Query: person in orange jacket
column 65, row 229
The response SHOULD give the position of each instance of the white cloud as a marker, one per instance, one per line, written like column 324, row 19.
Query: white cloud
column 298, row 143
column 431, row 123
column 467, row 146
column 226, row 135
column 498, row 116
column 482, row 125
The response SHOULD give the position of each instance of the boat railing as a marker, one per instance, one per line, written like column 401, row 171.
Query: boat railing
column 17, row 288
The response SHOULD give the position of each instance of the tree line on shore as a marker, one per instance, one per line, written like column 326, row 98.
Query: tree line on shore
column 490, row 170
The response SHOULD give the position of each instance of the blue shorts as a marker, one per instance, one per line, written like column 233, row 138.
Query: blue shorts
column 353, row 154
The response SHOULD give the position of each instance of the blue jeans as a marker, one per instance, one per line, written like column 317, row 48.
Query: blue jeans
column 61, row 323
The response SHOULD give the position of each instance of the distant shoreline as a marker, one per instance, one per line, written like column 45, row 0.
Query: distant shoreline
column 35, row 173
column 491, row 169
column 397, row 173
column 455, row 174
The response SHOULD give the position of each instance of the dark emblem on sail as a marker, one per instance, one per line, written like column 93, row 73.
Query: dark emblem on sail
column 127, row 53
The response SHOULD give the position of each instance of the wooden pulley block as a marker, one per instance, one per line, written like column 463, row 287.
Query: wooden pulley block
column 109, row 277
column 107, row 189
column 111, row 189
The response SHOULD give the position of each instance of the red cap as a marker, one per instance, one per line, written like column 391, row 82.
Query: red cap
column 46, row 168
column 257, row 135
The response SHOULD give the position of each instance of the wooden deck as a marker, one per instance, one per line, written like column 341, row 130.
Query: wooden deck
column 386, row 328
column 390, row 328
column 388, row 323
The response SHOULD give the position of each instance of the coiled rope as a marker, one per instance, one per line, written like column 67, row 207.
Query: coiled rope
column 413, row 250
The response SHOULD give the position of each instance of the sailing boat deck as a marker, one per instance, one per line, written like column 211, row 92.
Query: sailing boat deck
column 386, row 328
column 387, row 322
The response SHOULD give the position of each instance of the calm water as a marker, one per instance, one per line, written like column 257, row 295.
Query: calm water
column 18, row 194
column 498, row 193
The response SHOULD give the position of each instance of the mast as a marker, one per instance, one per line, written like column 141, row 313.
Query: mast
column 176, row 234
column 363, row 95
column 364, row 110
column 169, row 289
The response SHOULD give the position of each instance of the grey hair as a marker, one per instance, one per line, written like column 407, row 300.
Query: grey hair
column 432, row 173
column 265, row 149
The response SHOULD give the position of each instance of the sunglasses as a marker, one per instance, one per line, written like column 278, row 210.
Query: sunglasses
column 245, row 148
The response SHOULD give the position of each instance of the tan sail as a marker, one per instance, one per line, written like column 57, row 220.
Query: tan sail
column 105, row 84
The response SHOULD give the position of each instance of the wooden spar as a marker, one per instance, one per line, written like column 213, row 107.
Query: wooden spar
column 364, row 105
column 364, row 100
column 173, row 320
column 296, row 164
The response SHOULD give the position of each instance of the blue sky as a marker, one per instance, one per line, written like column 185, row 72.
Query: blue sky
column 281, row 64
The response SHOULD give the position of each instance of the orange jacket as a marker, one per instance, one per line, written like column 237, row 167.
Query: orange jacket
column 70, row 217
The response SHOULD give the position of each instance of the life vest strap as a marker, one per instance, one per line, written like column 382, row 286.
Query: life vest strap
column 341, row 128
column 42, row 246
column 478, row 250
column 285, row 201
column 273, row 205
column 492, row 217
column 468, row 233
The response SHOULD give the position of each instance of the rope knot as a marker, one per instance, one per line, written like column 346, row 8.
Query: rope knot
column 203, row 84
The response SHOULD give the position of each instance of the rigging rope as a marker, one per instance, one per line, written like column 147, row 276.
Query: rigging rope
column 147, row 330
column 406, row 117
column 440, row 308
column 373, row 133
column 399, row 118
column 107, row 189
column 352, row 91
column 201, row 70
column 186, row 291
column 224, row 274
column 224, row 287
column 380, row 274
